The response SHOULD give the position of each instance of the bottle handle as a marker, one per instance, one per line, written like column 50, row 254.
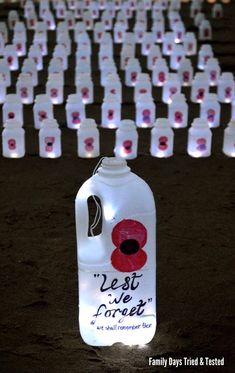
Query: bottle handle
column 81, row 211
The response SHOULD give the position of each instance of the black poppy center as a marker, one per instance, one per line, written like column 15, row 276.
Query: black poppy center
column 129, row 247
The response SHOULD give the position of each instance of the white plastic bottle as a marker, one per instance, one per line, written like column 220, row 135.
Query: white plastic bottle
column 42, row 109
column 229, row 139
column 12, row 108
column 55, row 89
column 147, row 43
column 10, row 54
column 36, row 55
column 145, row 111
column 178, row 111
column 29, row 67
column 185, row 72
column 5, row 71
column 213, row 70
column 111, row 112
column 153, row 56
column 49, row 139
column 13, row 139
column 117, row 268
column 132, row 70
column 2, row 88
column 162, row 139
column 113, row 87
column 88, row 139
column 143, row 86
column 126, row 140
column 171, row 87
column 160, row 72
column 168, row 43
column 200, row 87
column 199, row 139
column 178, row 53
column 205, row 30
column 84, row 87
column 75, row 111
column 190, row 44
column 226, row 88
column 158, row 29
column 217, row 11
column 204, row 54
column 210, row 110
column 24, row 88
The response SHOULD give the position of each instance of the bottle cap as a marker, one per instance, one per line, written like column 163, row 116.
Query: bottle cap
column 113, row 166
column 43, row 98
column 12, row 123
column 178, row 97
column 13, row 98
column 75, row 98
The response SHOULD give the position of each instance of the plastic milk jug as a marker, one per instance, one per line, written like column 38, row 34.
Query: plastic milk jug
column 42, row 109
column 229, row 139
column 49, row 139
column 210, row 110
column 13, row 139
column 162, row 139
column 75, row 111
column 126, row 140
column 88, row 139
column 178, row 111
column 199, row 139
column 12, row 108
column 117, row 268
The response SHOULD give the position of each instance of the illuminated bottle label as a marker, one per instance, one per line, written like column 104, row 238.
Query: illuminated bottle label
column 162, row 142
column 75, row 117
column 146, row 116
column 127, row 146
column 11, row 144
column 201, row 144
column 89, row 143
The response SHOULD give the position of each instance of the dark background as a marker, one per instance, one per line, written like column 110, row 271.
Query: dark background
column 195, row 201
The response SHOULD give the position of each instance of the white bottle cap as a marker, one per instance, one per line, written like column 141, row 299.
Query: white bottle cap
column 74, row 98
column 13, row 98
column 210, row 97
column 178, row 97
column 43, row 98
column 113, row 166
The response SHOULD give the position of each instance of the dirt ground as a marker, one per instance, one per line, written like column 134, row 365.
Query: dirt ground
column 195, row 201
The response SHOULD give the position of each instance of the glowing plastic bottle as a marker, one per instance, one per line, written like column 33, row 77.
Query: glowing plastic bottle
column 185, row 72
column 225, row 90
column 176, row 56
column 88, row 139
column 210, row 110
column 126, row 140
column 30, row 68
column 229, row 139
column 24, row 88
column 111, row 112
column 160, row 72
column 49, row 139
column 10, row 54
column 84, row 87
column 199, row 139
column 147, row 43
column 190, row 44
column 2, row 88
column 55, row 89
column 168, row 43
column 75, row 111
column 217, row 11
column 153, row 56
column 13, row 17
column 42, row 109
column 36, row 55
column 145, row 111
column 205, row 30
column 5, row 71
column 205, row 53
column 13, row 139
column 131, row 72
column 117, row 291
column 162, row 139
column 113, row 87
column 12, row 108
column 200, row 87
column 171, row 87
column 178, row 111
column 143, row 86
column 213, row 69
